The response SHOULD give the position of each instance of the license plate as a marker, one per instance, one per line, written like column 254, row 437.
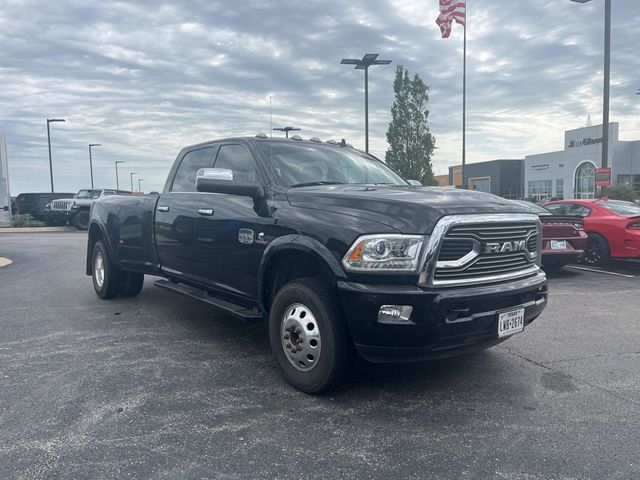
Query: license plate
column 510, row 322
column 558, row 244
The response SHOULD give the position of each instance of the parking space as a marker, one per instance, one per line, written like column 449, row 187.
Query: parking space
column 161, row 387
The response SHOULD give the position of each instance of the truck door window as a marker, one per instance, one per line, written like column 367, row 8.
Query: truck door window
column 239, row 160
column 185, row 179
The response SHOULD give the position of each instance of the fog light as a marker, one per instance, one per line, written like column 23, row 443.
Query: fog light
column 395, row 314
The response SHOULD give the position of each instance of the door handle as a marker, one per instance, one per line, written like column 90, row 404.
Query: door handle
column 205, row 211
column 163, row 209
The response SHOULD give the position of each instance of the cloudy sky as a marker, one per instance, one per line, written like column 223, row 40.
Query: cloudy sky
column 145, row 79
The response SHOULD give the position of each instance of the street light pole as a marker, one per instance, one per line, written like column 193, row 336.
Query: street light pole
column 131, row 177
column 605, row 95
column 363, row 64
column 117, row 179
column 286, row 130
column 50, row 120
column 140, row 188
column 91, row 160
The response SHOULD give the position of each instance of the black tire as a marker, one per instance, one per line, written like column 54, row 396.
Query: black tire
column 81, row 220
column 131, row 283
column 107, row 284
column 597, row 252
column 336, row 353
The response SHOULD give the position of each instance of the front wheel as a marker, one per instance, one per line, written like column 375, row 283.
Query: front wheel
column 81, row 220
column 309, row 336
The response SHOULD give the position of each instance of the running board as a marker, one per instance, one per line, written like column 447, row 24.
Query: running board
column 239, row 311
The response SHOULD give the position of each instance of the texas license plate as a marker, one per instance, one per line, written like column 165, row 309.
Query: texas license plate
column 558, row 244
column 510, row 322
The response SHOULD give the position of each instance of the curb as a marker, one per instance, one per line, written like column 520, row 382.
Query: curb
column 37, row 229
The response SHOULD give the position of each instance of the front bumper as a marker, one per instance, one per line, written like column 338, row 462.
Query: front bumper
column 56, row 215
column 445, row 321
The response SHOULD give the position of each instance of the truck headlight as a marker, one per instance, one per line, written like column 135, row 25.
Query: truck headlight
column 387, row 253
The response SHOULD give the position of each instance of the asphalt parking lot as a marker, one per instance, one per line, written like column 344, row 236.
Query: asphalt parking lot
column 159, row 387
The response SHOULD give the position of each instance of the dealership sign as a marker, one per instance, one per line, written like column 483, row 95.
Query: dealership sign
column 603, row 177
column 585, row 141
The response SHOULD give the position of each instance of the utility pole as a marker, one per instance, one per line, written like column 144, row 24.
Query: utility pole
column 91, row 160
column 117, row 179
column 363, row 64
column 286, row 130
column 51, row 120
column 139, row 187
column 131, row 178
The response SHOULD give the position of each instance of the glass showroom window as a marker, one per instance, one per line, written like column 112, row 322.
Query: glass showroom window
column 540, row 189
column 585, row 181
column 559, row 188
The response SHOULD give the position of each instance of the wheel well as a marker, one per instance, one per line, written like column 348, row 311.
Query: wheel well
column 289, row 265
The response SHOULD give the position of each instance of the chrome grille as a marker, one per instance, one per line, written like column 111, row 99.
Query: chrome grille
column 60, row 204
column 502, row 248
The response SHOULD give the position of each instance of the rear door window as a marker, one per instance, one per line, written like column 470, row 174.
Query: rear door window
column 185, row 178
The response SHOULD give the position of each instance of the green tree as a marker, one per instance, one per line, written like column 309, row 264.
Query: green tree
column 410, row 142
column 622, row 192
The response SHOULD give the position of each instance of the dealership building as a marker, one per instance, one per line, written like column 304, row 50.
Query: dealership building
column 567, row 173
column 571, row 172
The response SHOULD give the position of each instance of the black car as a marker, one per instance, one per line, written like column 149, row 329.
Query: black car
column 34, row 203
column 339, row 253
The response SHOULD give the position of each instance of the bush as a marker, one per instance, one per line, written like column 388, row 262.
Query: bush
column 25, row 221
column 622, row 192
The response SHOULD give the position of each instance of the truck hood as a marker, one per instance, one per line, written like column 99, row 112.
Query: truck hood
column 408, row 209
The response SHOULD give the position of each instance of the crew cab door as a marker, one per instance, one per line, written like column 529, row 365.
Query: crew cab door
column 226, row 230
column 176, row 216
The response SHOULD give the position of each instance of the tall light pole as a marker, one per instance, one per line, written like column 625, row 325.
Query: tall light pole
column 131, row 177
column 91, row 160
column 363, row 64
column 117, row 179
column 140, row 180
column 605, row 96
column 286, row 130
column 50, row 120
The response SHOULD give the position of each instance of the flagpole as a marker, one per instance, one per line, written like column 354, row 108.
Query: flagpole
column 464, row 95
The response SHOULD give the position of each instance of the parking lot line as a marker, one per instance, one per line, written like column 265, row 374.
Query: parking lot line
column 587, row 269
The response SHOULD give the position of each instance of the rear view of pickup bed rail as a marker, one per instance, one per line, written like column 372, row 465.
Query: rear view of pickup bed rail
column 337, row 252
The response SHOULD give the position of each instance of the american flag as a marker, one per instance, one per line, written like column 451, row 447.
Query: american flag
column 451, row 10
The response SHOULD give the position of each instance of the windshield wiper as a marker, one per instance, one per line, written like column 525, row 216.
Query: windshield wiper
column 311, row 184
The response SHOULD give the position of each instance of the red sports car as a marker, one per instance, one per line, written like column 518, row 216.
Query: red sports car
column 563, row 237
column 613, row 227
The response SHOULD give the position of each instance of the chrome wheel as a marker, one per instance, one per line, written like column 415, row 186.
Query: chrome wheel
column 300, row 337
column 98, row 269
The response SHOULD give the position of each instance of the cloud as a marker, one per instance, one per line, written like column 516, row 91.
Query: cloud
column 147, row 79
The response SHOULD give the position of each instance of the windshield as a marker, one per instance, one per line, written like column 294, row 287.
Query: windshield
column 297, row 165
column 620, row 207
column 87, row 194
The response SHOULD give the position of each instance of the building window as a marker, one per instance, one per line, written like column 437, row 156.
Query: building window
column 559, row 188
column 540, row 189
column 480, row 184
column 511, row 193
column 632, row 181
column 585, row 181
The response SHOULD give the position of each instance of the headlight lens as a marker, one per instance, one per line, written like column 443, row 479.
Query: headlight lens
column 388, row 253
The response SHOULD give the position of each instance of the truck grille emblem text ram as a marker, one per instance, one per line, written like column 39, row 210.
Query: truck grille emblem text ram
column 496, row 247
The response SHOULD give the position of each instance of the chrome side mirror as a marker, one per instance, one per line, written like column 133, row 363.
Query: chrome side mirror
column 220, row 180
column 214, row 174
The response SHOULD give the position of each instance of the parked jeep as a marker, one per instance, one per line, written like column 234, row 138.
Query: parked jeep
column 76, row 210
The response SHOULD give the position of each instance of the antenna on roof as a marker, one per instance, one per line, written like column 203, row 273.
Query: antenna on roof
column 588, row 124
column 270, row 117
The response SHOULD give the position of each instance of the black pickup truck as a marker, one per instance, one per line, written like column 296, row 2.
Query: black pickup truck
column 337, row 251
